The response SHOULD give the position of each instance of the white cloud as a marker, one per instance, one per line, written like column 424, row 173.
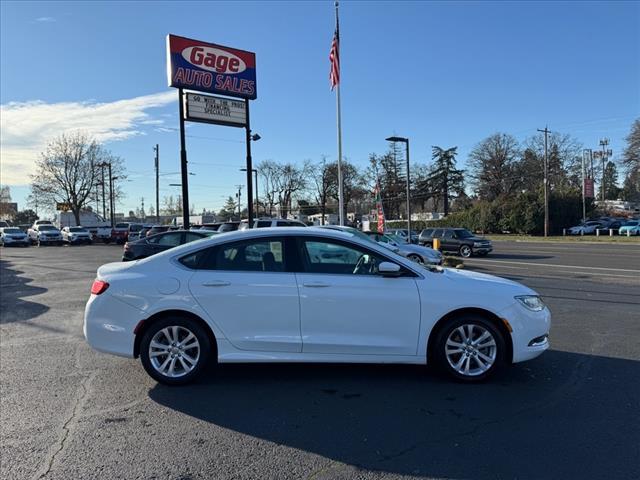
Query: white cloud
column 26, row 127
column 45, row 20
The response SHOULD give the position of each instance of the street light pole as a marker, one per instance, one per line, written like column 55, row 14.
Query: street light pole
column 255, row 173
column 406, row 143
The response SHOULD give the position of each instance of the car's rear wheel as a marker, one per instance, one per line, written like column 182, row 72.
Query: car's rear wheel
column 470, row 348
column 465, row 251
column 175, row 350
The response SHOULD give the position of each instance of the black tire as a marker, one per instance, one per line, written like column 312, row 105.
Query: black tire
column 185, row 324
column 476, row 374
column 465, row 251
column 415, row 258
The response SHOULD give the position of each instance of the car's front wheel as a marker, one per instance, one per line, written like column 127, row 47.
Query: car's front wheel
column 470, row 348
column 175, row 350
column 416, row 258
column 465, row 251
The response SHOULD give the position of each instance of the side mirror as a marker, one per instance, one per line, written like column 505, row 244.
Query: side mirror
column 388, row 269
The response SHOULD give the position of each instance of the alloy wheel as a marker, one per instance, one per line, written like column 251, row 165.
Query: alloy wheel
column 471, row 350
column 465, row 251
column 174, row 351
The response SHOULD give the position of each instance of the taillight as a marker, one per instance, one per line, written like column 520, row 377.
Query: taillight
column 98, row 287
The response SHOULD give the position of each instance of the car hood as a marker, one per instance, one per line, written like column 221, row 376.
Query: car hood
column 479, row 281
column 417, row 249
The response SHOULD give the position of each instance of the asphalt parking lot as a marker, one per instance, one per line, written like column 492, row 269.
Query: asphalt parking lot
column 69, row 412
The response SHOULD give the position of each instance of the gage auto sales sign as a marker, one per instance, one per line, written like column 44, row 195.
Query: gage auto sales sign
column 206, row 67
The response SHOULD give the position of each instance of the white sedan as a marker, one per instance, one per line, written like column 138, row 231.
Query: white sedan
column 308, row 295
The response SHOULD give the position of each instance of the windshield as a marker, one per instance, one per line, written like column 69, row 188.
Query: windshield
column 464, row 234
column 77, row 229
column 44, row 228
column 12, row 230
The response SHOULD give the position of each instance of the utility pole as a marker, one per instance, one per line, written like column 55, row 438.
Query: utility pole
column 111, row 178
column 239, row 195
column 104, row 203
column 546, row 183
column 604, row 142
column 157, row 164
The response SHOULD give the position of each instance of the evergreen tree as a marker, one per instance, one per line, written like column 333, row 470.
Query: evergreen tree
column 444, row 178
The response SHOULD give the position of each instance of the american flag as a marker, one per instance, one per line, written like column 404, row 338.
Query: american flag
column 334, row 59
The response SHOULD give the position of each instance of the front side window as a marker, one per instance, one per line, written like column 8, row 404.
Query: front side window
column 264, row 223
column 326, row 256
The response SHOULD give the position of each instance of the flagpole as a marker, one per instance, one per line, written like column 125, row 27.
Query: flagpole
column 339, row 122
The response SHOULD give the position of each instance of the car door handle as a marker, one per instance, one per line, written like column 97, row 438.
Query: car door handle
column 316, row 284
column 216, row 283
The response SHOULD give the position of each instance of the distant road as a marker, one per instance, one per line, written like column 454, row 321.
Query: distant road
column 608, row 263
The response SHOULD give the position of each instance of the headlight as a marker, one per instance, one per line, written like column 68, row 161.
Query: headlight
column 531, row 302
column 477, row 244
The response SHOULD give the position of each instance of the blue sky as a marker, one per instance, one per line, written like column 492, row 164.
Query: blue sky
column 441, row 73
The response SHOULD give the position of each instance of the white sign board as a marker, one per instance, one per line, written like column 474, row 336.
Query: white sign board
column 218, row 110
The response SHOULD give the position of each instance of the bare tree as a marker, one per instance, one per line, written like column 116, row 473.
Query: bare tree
column 321, row 181
column 68, row 171
column 281, row 182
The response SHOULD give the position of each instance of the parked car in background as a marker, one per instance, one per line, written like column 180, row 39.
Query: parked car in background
column 631, row 227
column 586, row 228
column 45, row 234
column 416, row 253
column 41, row 222
column 4, row 224
column 155, row 229
column 120, row 232
column 228, row 227
column 402, row 232
column 145, row 247
column 13, row 236
column 134, row 231
column 277, row 222
column 211, row 226
column 24, row 227
column 102, row 234
column 76, row 235
column 309, row 295
column 457, row 240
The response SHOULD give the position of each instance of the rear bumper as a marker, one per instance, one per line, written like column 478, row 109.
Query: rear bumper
column 109, row 324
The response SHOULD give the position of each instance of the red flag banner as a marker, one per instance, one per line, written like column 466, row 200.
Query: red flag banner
column 379, row 209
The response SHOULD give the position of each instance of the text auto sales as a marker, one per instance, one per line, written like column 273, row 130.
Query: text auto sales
column 199, row 78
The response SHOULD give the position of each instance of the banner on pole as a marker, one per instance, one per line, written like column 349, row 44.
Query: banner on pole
column 589, row 190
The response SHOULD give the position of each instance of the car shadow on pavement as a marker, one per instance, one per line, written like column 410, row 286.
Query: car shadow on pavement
column 563, row 415
column 13, row 289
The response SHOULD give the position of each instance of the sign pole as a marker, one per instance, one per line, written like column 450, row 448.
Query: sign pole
column 249, row 167
column 183, row 165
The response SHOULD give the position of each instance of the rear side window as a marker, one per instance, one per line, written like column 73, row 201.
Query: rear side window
column 427, row 232
column 264, row 223
column 196, row 260
column 257, row 255
column 437, row 233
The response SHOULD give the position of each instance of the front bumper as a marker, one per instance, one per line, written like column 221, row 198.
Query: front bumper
column 483, row 249
column 530, row 331
column 14, row 241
